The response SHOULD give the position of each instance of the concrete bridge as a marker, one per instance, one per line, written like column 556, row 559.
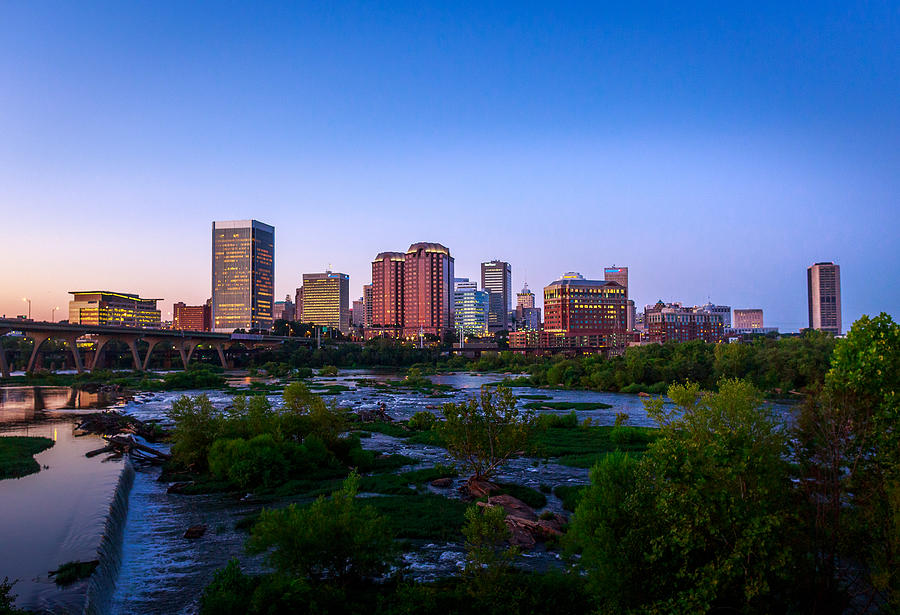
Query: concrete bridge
column 185, row 342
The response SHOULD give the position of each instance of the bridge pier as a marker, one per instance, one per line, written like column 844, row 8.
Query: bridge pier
column 152, row 342
column 186, row 350
column 72, row 341
column 4, row 366
column 38, row 340
column 220, row 348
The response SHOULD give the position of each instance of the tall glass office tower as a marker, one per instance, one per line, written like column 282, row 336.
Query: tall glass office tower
column 496, row 278
column 243, row 275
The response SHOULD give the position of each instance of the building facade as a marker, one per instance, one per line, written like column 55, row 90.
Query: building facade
column 357, row 313
column 591, row 312
column 108, row 308
column 243, row 275
column 672, row 322
column 823, row 286
column 326, row 300
column 368, row 305
column 284, row 310
column 527, row 317
column 427, row 290
column 618, row 275
column 723, row 311
column 748, row 319
column 496, row 278
column 470, row 308
column 192, row 317
column 387, row 295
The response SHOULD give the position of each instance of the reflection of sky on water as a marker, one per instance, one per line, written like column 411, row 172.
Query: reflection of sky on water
column 54, row 516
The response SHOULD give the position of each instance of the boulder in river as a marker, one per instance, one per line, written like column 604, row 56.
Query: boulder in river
column 442, row 483
column 195, row 531
column 478, row 488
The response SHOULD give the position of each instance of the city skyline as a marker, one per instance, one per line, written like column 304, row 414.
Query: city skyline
column 714, row 171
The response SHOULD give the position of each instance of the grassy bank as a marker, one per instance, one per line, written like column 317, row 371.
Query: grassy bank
column 17, row 455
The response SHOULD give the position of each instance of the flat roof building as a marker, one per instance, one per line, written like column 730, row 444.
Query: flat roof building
column 470, row 307
column 192, row 317
column 748, row 319
column 576, row 307
column 326, row 300
column 496, row 278
column 672, row 322
column 109, row 308
column 823, row 287
column 243, row 275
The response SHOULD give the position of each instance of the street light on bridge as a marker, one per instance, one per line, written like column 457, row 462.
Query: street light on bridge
column 29, row 306
column 52, row 313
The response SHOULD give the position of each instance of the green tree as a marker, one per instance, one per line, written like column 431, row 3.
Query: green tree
column 484, row 434
column 863, row 391
column 340, row 538
column 197, row 424
column 8, row 599
column 489, row 556
column 704, row 520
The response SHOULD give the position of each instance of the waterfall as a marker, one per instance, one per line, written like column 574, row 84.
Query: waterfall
column 109, row 553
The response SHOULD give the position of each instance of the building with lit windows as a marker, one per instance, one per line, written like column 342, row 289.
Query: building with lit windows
column 470, row 307
column 672, row 322
column 243, row 275
column 748, row 319
column 192, row 317
column 326, row 300
column 387, row 295
column 107, row 308
column 723, row 311
column 368, row 305
column 823, row 287
column 528, row 317
column 427, row 290
column 412, row 292
column 618, row 275
column 496, row 278
column 580, row 313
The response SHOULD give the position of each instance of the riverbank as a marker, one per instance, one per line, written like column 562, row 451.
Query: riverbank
column 17, row 455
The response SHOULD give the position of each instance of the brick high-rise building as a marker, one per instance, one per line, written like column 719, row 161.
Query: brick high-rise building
column 823, row 286
column 496, row 278
column 387, row 295
column 412, row 292
column 192, row 317
column 427, row 290
column 591, row 309
column 672, row 322
column 528, row 317
column 617, row 274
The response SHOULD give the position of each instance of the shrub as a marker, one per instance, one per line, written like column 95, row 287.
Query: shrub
column 422, row 421
column 339, row 538
column 197, row 424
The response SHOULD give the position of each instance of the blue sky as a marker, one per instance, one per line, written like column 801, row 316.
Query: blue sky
column 716, row 149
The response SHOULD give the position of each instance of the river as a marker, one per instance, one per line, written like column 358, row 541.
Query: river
column 75, row 506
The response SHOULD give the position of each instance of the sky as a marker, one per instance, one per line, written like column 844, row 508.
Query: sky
column 716, row 149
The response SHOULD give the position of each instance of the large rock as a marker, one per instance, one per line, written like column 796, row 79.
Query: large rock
column 442, row 483
column 480, row 488
column 514, row 507
column 519, row 534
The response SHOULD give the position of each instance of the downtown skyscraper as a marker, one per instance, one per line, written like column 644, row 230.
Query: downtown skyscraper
column 412, row 292
column 823, row 287
column 496, row 278
column 243, row 275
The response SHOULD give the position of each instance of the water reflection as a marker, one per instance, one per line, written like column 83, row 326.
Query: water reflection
column 55, row 516
column 20, row 404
